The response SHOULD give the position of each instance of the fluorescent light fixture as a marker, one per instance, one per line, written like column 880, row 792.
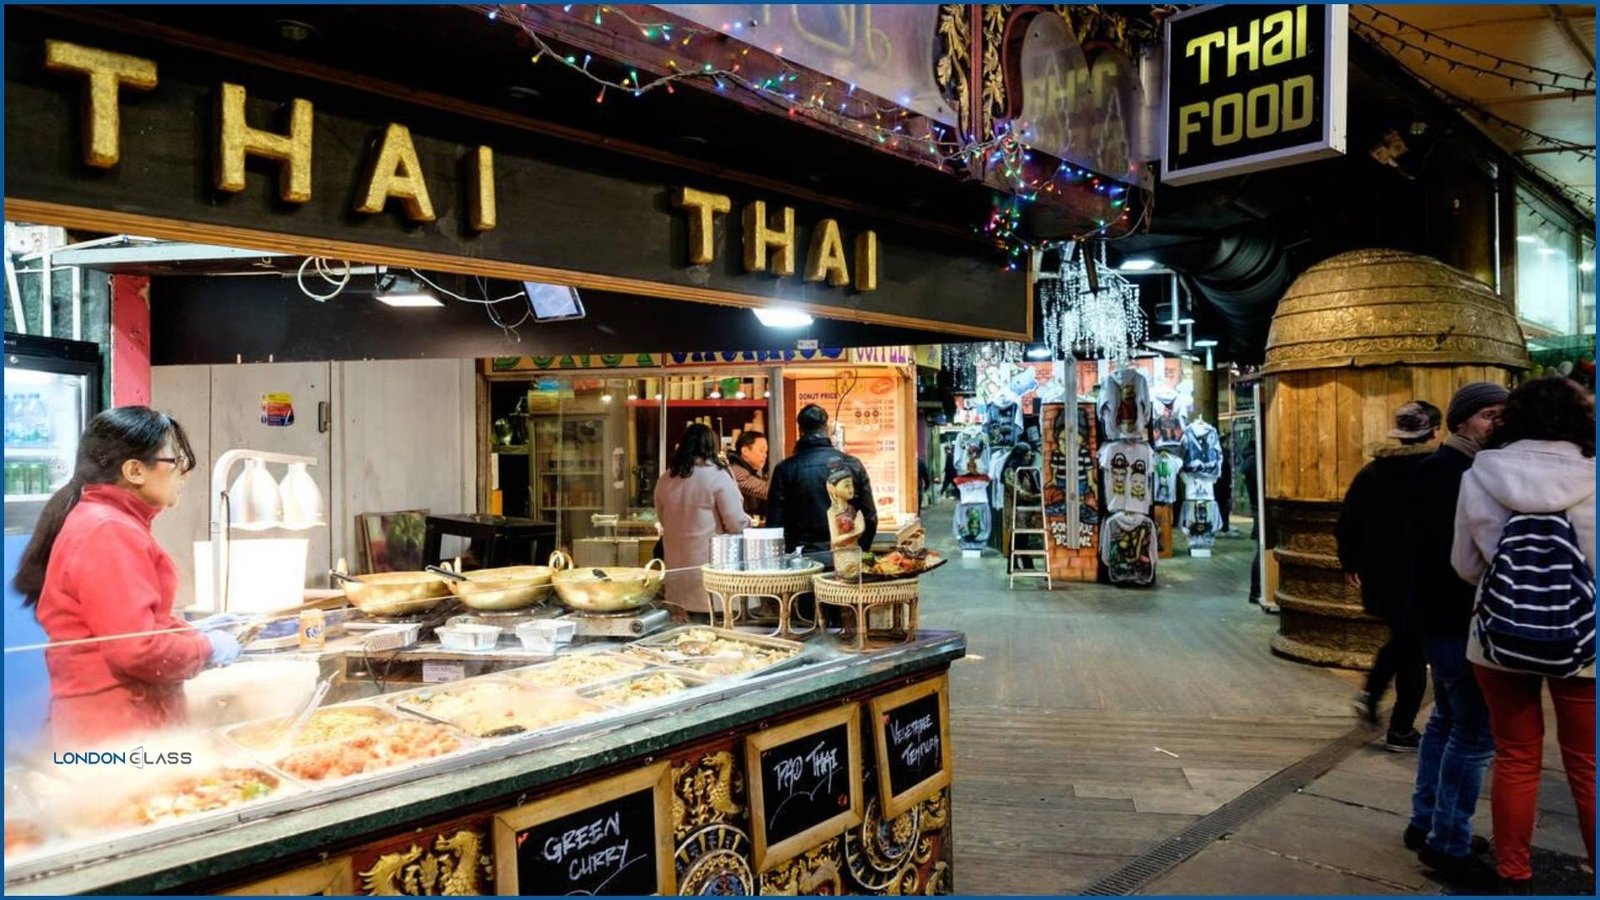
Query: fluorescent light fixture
column 405, row 291
column 1205, row 342
column 778, row 317
column 410, row 299
column 1527, row 239
column 1137, row 265
column 1547, row 251
column 1038, row 352
column 1186, row 320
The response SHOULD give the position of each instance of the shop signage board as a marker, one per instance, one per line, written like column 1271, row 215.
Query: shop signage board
column 612, row 837
column 1248, row 88
column 911, row 736
column 119, row 132
column 805, row 783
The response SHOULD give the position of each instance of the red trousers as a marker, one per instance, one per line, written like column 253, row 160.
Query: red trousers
column 1516, row 716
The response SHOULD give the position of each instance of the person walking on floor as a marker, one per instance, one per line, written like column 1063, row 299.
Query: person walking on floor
column 1525, row 528
column 1456, row 743
column 1376, row 564
column 697, row 499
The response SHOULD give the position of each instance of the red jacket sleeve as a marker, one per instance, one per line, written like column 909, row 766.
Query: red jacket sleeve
column 120, row 592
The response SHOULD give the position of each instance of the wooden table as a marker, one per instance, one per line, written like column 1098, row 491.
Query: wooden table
column 782, row 586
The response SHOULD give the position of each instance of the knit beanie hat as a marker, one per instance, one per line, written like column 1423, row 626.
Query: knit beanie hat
column 1470, row 399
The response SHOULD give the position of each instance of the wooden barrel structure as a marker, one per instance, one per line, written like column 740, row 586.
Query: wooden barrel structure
column 1353, row 338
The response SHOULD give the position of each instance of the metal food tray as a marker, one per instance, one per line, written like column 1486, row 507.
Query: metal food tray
column 658, row 647
column 638, row 665
column 232, row 733
column 533, row 694
column 64, row 848
column 374, row 778
column 694, row 680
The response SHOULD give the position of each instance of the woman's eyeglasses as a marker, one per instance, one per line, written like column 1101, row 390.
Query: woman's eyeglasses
column 178, row 462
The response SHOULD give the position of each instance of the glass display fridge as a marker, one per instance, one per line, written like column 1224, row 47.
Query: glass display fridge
column 52, row 389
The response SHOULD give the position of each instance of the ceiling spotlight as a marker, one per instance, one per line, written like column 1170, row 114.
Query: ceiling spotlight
column 1037, row 352
column 1137, row 265
column 632, row 397
column 1586, row 266
column 405, row 291
column 778, row 317
column 605, row 398
column 739, row 395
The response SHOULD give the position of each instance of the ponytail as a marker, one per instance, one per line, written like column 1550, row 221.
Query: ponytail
column 112, row 438
column 29, row 581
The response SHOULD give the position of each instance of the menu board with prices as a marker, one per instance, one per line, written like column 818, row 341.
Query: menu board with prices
column 871, row 413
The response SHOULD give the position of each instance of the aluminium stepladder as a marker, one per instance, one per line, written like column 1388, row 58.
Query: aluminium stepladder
column 1035, row 512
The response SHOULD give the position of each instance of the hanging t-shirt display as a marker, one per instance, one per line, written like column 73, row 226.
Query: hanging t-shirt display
column 1168, row 423
column 1202, row 450
column 1201, row 517
column 1127, row 466
column 1165, row 480
column 1124, row 407
column 973, row 516
column 1128, row 548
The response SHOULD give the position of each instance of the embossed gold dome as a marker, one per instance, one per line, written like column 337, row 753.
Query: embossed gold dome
column 1387, row 307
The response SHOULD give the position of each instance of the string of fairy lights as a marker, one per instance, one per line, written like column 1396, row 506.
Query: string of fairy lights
column 1497, row 66
column 833, row 102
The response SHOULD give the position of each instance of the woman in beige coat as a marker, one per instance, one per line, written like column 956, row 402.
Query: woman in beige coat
column 697, row 499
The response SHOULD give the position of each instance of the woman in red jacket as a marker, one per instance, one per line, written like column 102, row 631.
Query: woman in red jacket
column 93, row 571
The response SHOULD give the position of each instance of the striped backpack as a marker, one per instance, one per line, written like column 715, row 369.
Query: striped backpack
column 1535, row 610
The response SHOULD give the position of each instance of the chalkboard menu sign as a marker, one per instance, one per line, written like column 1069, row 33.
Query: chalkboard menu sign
column 805, row 783
column 606, row 838
column 911, row 731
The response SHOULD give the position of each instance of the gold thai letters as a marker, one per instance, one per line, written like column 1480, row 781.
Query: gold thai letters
column 701, row 206
column 238, row 140
column 762, row 236
column 826, row 261
column 480, row 193
column 397, row 173
column 104, row 74
column 770, row 238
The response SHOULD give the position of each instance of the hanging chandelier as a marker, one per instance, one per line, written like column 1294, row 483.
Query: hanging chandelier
column 965, row 361
column 1090, row 310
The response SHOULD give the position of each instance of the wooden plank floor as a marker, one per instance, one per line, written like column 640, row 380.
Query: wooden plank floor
column 1092, row 723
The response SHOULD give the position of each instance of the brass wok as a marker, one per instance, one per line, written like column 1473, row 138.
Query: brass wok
column 394, row 593
column 503, row 589
column 608, row 589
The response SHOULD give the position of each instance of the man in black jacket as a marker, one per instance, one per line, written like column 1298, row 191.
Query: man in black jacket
column 1376, row 562
column 1457, row 745
column 797, row 497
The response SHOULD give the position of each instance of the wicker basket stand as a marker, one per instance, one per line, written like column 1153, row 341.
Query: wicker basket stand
column 863, row 597
column 736, row 589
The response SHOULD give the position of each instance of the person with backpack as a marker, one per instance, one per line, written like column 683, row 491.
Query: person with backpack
column 1456, row 743
column 1377, row 565
column 1525, row 528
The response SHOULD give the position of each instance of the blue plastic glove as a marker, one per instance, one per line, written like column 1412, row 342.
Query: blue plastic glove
column 224, row 647
column 219, row 622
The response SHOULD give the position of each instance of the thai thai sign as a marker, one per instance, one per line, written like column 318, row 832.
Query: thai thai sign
column 1248, row 88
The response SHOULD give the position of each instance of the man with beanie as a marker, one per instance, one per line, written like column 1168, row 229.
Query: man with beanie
column 1457, row 744
column 1378, row 565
